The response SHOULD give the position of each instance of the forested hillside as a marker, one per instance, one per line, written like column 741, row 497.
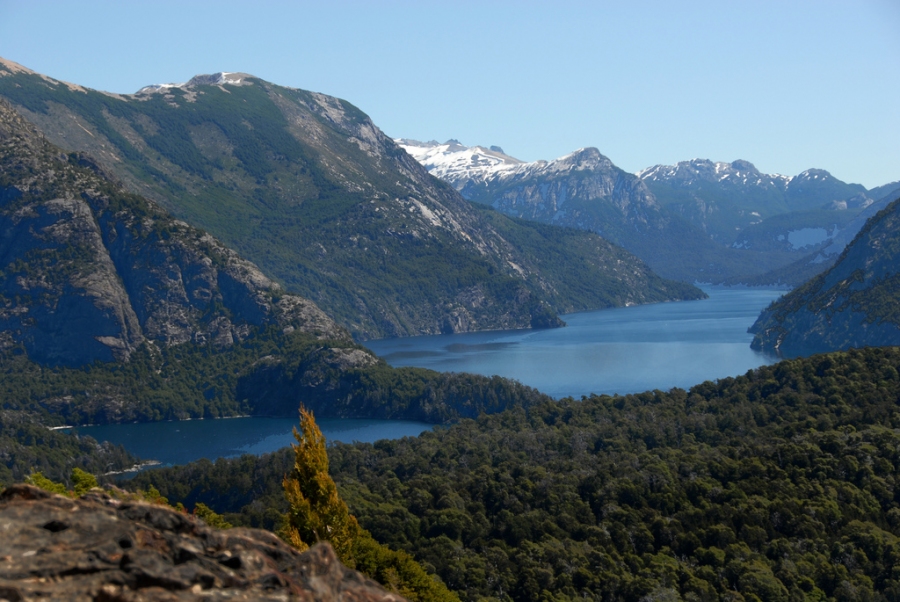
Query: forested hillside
column 854, row 304
column 778, row 485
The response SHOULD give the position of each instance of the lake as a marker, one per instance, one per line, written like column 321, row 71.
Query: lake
column 172, row 443
column 622, row 350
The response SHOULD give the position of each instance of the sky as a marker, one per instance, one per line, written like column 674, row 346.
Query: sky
column 788, row 84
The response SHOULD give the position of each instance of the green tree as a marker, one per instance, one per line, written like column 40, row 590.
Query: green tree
column 39, row 480
column 210, row 517
column 83, row 481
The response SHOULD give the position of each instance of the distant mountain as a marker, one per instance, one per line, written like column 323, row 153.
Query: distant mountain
column 90, row 272
column 459, row 165
column 856, row 303
column 719, row 197
column 307, row 187
column 586, row 190
column 546, row 191
column 845, row 236
column 818, row 232
column 725, row 198
column 677, row 218
column 891, row 190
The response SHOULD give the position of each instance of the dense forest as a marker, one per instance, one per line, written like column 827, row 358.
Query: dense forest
column 267, row 374
column 778, row 485
column 28, row 446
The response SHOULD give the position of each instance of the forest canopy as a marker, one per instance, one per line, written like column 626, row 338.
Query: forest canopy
column 781, row 484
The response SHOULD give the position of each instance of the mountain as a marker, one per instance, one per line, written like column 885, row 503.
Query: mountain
column 585, row 190
column 89, row 272
column 891, row 190
column 697, row 220
column 307, row 187
column 838, row 241
column 461, row 165
column 558, row 191
column 856, row 303
column 817, row 231
column 725, row 199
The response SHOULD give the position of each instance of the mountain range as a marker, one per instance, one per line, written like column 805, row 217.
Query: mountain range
column 696, row 221
column 310, row 190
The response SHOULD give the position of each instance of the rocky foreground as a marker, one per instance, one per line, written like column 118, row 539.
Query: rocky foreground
column 101, row 548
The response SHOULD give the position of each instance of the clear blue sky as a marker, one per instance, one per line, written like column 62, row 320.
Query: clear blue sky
column 785, row 84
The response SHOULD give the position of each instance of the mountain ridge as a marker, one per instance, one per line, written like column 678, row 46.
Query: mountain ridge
column 687, row 221
column 852, row 304
column 306, row 186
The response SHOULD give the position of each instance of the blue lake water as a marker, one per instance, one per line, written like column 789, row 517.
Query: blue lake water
column 172, row 443
column 622, row 350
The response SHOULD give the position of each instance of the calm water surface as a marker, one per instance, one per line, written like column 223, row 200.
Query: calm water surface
column 173, row 443
column 623, row 350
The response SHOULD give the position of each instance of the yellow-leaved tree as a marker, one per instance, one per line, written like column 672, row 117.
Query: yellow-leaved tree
column 317, row 513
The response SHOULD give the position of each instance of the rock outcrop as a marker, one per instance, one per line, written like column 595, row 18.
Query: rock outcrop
column 89, row 272
column 101, row 548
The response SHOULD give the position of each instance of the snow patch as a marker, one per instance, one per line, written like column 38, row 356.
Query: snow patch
column 461, row 165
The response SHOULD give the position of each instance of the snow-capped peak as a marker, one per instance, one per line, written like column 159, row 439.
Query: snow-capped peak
column 213, row 79
column 453, row 161
column 460, row 164
column 738, row 171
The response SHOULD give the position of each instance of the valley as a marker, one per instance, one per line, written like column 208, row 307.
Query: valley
column 553, row 401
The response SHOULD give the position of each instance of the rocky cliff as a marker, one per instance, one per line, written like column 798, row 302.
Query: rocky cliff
column 101, row 548
column 88, row 272
column 856, row 303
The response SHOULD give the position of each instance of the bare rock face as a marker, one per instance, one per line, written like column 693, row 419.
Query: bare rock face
column 89, row 272
column 100, row 548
